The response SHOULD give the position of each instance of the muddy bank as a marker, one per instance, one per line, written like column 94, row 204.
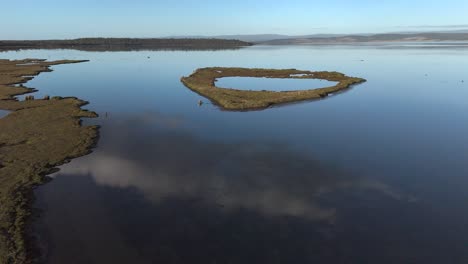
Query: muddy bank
column 35, row 137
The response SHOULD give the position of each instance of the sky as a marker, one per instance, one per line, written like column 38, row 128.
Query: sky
column 61, row 19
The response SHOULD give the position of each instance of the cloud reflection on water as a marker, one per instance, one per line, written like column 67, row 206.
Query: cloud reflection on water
column 158, row 157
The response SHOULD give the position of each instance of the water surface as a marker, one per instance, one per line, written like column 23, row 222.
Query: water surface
column 272, row 84
column 376, row 174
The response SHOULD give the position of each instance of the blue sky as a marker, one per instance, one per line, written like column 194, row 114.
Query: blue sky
column 45, row 19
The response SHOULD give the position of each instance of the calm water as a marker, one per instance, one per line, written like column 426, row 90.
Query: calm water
column 377, row 174
column 271, row 84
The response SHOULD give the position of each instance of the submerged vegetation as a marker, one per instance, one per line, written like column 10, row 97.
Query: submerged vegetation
column 35, row 137
column 203, row 81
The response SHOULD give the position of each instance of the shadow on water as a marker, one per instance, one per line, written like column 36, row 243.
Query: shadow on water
column 154, row 193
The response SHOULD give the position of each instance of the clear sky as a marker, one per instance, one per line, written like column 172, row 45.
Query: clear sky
column 46, row 19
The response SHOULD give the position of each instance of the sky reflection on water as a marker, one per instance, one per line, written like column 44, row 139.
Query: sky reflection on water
column 373, row 175
column 230, row 197
column 272, row 84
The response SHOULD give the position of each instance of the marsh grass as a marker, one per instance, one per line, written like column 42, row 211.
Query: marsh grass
column 203, row 81
column 35, row 137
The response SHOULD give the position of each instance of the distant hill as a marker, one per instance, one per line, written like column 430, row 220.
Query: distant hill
column 278, row 39
column 268, row 37
column 122, row 44
column 390, row 37
column 261, row 37
column 253, row 38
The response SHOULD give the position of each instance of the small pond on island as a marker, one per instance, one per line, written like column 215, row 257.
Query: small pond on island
column 272, row 84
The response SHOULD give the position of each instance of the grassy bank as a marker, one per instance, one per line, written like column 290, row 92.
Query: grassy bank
column 203, row 81
column 35, row 137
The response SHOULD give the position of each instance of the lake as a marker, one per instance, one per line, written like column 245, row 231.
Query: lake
column 376, row 174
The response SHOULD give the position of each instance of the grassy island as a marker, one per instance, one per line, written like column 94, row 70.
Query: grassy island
column 35, row 137
column 203, row 81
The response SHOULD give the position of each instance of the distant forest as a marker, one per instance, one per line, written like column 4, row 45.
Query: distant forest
column 125, row 44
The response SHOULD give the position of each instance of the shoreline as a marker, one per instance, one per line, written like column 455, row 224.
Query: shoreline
column 125, row 44
column 203, row 82
column 37, row 136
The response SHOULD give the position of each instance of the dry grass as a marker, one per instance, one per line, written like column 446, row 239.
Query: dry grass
column 203, row 80
column 35, row 137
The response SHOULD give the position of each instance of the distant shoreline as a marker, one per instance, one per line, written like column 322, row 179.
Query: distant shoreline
column 227, row 42
column 370, row 39
column 215, row 43
column 125, row 44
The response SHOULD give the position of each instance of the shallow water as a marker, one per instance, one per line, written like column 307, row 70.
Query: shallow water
column 272, row 84
column 376, row 174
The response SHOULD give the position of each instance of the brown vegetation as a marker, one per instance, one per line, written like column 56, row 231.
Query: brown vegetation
column 203, row 81
column 35, row 137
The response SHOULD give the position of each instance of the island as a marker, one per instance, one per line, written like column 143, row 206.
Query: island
column 36, row 136
column 202, row 81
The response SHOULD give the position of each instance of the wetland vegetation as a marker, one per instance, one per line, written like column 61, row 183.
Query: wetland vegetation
column 203, row 81
column 35, row 137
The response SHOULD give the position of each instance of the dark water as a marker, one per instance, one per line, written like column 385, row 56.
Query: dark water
column 271, row 84
column 377, row 174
